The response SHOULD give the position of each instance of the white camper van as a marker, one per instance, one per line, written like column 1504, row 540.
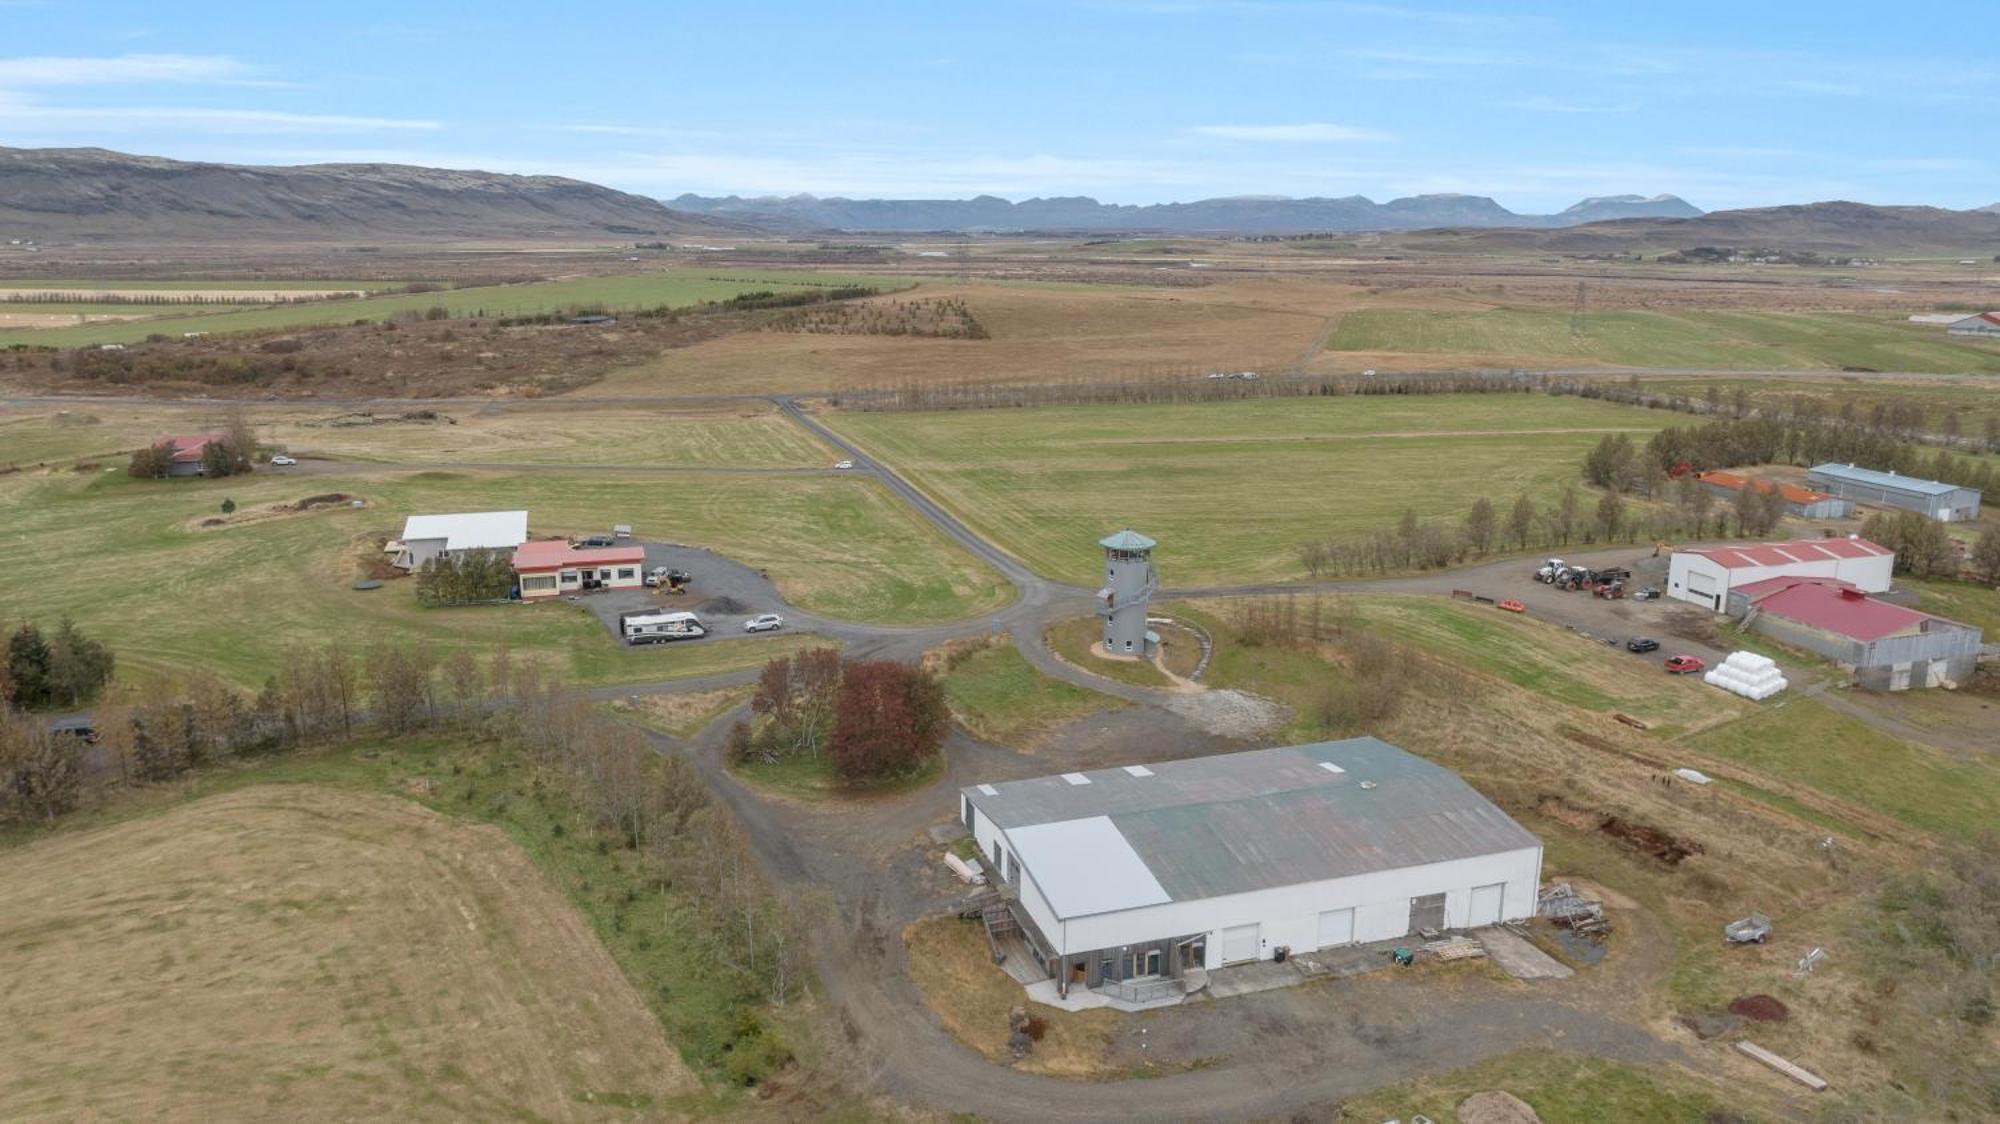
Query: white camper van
column 652, row 626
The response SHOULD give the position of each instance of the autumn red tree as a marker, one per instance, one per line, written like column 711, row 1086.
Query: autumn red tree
column 889, row 718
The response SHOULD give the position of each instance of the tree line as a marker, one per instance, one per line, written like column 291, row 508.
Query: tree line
column 466, row 577
column 62, row 669
column 870, row 719
column 1190, row 385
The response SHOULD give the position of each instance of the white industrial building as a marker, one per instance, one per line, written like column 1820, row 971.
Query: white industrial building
column 1134, row 876
column 1704, row 575
column 427, row 536
column 1946, row 503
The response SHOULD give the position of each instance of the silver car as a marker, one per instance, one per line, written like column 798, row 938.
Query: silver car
column 769, row 622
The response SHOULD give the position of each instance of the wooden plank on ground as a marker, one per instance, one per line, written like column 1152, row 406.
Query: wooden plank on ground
column 1804, row 1077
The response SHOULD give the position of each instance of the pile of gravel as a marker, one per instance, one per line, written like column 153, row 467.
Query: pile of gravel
column 724, row 606
column 1230, row 714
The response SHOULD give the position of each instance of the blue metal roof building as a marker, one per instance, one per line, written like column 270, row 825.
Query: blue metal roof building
column 1946, row 503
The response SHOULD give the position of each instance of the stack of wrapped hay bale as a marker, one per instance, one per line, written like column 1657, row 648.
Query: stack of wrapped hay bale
column 1747, row 674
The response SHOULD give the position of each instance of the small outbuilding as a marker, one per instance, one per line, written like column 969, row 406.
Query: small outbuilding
column 1886, row 646
column 1946, row 503
column 427, row 536
column 1802, row 502
column 1705, row 575
column 1128, row 879
column 1982, row 324
column 553, row 568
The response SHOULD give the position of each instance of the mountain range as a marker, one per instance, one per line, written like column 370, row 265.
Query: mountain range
column 1231, row 215
column 1829, row 228
column 95, row 194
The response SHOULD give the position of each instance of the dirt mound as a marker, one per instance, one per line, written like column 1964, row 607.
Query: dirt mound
column 1496, row 1107
column 724, row 606
column 327, row 499
column 1664, row 846
column 1760, row 1008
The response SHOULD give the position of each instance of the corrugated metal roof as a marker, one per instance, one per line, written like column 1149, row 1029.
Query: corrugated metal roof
column 1844, row 612
column 1736, row 482
column 1884, row 479
column 1786, row 553
column 554, row 554
column 1127, row 540
column 471, row 530
column 1235, row 822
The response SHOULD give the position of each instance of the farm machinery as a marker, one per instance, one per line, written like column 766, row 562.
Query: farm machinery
column 1609, row 582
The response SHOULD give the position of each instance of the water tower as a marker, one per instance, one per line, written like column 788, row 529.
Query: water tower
column 1129, row 580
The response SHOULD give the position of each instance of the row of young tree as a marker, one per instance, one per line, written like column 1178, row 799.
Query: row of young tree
column 1689, row 510
column 465, row 578
column 1185, row 384
column 60, row 669
column 1894, row 419
column 871, row 719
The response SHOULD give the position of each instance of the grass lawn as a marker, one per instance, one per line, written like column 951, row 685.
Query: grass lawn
column 684, row 714
column 1001, row 697
column 1072, row 639
column 1808, row 744
column 804, row 777
column 680, row 288
column 1972, row 400
column 1965, row 602
column 125, row 559
column 1700, row 339
column 1230, row 490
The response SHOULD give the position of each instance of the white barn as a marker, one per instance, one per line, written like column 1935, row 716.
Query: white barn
column 1130, row 877
column 427, row 536
column 1704, row 575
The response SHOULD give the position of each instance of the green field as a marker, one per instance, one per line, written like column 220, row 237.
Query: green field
column 125, row 559
column 1231, row 489
column 1694, row 339
column 1000, row 697
column 679, row 289
column 1964, row 602
column 1806, row 743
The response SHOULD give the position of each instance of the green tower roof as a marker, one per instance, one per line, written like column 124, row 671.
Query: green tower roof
column 1127, row 540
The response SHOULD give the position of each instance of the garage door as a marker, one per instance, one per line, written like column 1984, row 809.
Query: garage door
column 1240, row 943
column 1427, row 912
column 1486, row 903
column 1336, row 927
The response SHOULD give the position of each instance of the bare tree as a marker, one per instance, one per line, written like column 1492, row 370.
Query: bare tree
column 1479, row 525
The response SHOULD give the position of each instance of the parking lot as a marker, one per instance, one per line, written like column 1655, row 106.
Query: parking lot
column 724, row 594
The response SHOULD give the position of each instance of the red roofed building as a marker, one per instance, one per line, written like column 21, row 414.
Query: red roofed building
column 553, row 568
column 1984, row 324
column 1802, row 502
column 187, row 452
column 1888, row 647
column 1706, row 575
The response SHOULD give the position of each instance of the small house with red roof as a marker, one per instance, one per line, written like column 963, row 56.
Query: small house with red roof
column 1705, row 575
column 188, row 451
column 553, row 568
column 1887, row 646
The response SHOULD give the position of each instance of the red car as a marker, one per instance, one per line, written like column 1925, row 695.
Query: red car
column 1683, row 665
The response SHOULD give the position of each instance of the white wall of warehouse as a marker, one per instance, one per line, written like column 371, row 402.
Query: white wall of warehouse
column 1287, row 916
column 1688, row 574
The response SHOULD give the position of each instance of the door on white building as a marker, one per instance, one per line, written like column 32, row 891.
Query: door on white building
column 1336, row 927
column 1702, row 587
column 1427, row 912
column 1240, row 943
column 1486, row 904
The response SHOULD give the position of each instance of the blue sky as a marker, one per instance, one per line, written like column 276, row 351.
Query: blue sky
column 1131, row 101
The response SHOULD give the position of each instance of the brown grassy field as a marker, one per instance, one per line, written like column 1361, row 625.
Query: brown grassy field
column 309, row 953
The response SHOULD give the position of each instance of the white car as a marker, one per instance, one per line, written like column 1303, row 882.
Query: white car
column 769, row 622
column 281, row 459
column 843, row 464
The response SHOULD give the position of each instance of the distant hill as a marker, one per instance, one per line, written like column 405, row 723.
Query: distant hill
column 65, row 194
column 1993, row 208
column 1233, row 215
column 1827, row 228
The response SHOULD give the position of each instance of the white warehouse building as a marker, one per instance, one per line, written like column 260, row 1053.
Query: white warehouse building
column 1131, row 877
column 1704, row 575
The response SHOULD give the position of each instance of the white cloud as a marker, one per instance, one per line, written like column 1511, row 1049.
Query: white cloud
column 1309, row 132
column 99, row 119
column 51, row 70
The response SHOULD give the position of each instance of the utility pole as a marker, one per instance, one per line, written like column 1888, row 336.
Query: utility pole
column 1577, row 310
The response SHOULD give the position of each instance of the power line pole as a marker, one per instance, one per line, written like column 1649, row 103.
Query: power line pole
column 1576, row 311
